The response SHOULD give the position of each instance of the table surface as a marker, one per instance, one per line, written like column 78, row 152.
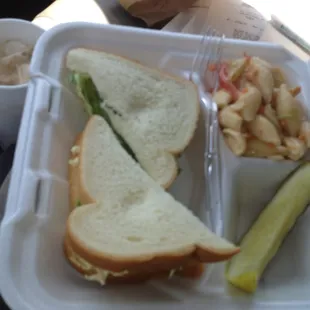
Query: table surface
column 117, row 15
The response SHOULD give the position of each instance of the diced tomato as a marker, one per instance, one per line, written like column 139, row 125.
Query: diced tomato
column 261, row 109
column 283, row 123
column 249, row 136
column 226, row 83
column 302, row 138
column 295, row 91
column 271, row 145
column 274, row 97
column 237, row 83
column 212, row 67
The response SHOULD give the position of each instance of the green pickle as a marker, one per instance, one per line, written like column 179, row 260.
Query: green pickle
column 262, row 241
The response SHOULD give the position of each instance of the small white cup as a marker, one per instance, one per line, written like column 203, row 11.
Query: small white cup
column 12, row 98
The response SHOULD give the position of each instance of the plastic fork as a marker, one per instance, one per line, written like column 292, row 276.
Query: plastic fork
column 210, row 52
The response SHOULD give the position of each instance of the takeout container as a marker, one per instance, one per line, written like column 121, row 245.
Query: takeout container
column 33, row 271
column 12, row 97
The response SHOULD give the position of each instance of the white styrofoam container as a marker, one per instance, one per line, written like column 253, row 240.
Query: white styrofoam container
column 33, row 271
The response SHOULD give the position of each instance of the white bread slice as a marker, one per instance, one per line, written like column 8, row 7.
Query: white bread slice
column 134, row 223
column 192, row 269
column 157, row 114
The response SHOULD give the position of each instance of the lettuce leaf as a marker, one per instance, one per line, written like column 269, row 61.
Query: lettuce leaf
column 89, row 94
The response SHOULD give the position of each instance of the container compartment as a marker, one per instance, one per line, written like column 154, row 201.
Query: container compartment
column 34, row 273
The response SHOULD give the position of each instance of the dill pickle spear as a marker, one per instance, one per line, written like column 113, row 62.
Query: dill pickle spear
column 266, row 235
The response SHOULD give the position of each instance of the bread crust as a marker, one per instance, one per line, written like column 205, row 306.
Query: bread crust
column 73, row 178
column 167, row 261
column 75, row 190
column 193, row 270
column 174, row 153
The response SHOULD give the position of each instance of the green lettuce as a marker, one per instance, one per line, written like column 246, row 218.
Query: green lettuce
column 89, row 94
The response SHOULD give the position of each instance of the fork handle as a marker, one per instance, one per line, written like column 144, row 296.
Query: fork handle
column 212, row 163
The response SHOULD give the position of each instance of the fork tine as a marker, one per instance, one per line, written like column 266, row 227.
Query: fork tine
column 199, row 57
column 214, row 56
column 206, row 48
column 219, row 54
column 217, row 58
column 209, row 50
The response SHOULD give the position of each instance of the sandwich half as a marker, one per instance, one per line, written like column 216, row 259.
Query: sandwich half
column 193, row 269
column 153, row 115
column 125, row 223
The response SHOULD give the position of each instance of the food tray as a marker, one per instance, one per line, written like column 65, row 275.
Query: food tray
column 34, row 273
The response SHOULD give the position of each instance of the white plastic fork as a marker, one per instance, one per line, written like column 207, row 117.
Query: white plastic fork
column 210, row 52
